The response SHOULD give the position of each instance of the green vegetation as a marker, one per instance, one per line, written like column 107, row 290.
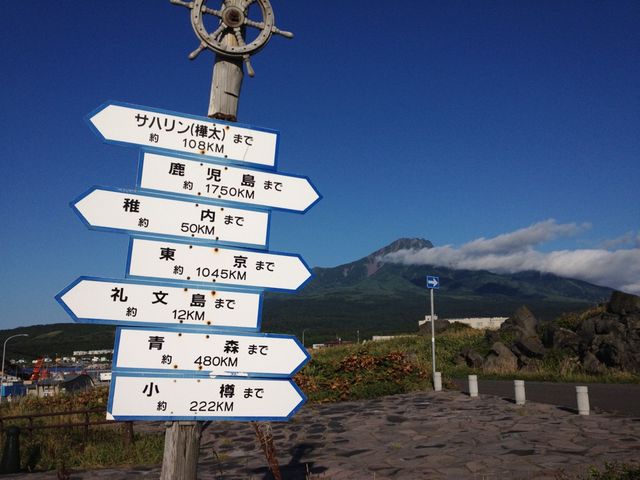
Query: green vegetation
column 403, row 364
column 373, row 369
column 67, row 448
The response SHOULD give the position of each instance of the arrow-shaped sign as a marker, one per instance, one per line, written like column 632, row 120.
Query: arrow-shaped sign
column 254, row 355
column 133, row 212
column 160, row 397
column 433, row 282
column 193, row 263
column 214, row 181
column 95, row 300
column 132, row 124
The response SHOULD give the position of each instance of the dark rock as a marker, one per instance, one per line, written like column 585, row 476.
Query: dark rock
column 565, row 339
column 500, row 359
column 623, row 303
column 531, row 347
column 609, row 349
column 592, row 365
column 439, row 327
column 587, row 329
column 608, row 323
column 491, row 336
column 471, row 358
column 522, row 323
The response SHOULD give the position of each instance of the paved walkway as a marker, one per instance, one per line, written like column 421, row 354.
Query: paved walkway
column 424, row 435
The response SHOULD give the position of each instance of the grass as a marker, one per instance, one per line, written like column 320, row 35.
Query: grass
column 403, row 364
column 65, row 448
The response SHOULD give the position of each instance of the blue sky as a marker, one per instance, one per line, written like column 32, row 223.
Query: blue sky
column 453, row 121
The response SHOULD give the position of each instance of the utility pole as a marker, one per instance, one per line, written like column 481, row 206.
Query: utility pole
column 228, row 42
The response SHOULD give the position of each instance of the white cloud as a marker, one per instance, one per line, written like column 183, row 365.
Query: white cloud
column 514, row 252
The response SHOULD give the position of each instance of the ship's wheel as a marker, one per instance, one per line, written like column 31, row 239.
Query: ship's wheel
column 233, row 18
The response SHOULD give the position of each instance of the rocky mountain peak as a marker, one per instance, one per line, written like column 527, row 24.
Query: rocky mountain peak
column 372, row 261
column 401, row 244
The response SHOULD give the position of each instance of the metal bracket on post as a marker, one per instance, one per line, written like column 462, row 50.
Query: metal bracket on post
column 228, row 41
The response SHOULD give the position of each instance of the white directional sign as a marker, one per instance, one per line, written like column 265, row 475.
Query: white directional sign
column 118, row 210
column 202, row 136
column 214, row 181
column 148, row 397
column 433, row 282
column 261, row 355
column 183, row 262
column 94, row 300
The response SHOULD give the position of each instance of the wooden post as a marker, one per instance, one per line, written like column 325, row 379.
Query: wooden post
column 181, row 450
column 182, row 439
column 127, row 433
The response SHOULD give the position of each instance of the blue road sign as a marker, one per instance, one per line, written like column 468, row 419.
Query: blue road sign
column 433, row 282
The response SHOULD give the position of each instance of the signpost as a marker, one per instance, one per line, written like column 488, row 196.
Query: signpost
column 96, row 300
column 145, row 213
column 123, row 123
column 253, row 355
column 215, row 181
column 192, row 263
column 188, row 334
column 160, row 397
column 433, row 283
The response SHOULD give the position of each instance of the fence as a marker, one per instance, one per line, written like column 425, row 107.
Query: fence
column 85, row 424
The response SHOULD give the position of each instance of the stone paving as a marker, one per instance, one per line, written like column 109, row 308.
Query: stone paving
column 424, row 435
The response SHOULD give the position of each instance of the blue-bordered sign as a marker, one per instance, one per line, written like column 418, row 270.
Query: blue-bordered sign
column 433, row 282
column 151, row 214
column 208, row 354
column 189, row 263
column 147, row 396
column 148, row 304
column 214, row 181
column 123, row 123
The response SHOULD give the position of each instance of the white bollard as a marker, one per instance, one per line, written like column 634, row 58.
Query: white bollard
column 582, row 393
column 519, row 387
column 437, row 382
column 473, row 385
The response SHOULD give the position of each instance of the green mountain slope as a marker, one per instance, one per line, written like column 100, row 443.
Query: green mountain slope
column 381, row 298
column 368, row 296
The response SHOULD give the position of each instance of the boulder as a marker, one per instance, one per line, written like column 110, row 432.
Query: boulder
column 439, row 327
column 607, row 323
column 592, row 365
column 522, row 323
column 587, row 329
column 565, row 339
column 471, row 358
column 500, row 360
column 623, row 303
column 531, row 347
column 609, row 349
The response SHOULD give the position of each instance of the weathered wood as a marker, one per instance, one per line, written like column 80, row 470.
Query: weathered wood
column 181, row 450
column 228, row 73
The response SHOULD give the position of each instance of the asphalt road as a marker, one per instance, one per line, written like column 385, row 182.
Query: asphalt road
column 618, row 399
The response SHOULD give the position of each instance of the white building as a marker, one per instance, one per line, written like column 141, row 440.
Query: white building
column 479, row 323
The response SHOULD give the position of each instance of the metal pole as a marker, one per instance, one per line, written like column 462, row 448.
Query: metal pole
column 4, row 350
column 433, row 339
column 303, row 330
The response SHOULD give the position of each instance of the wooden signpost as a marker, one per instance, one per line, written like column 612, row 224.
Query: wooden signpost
column 185, row 351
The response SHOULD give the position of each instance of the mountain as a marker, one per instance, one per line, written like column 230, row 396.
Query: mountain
column 380, row 298
column 367, row 295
